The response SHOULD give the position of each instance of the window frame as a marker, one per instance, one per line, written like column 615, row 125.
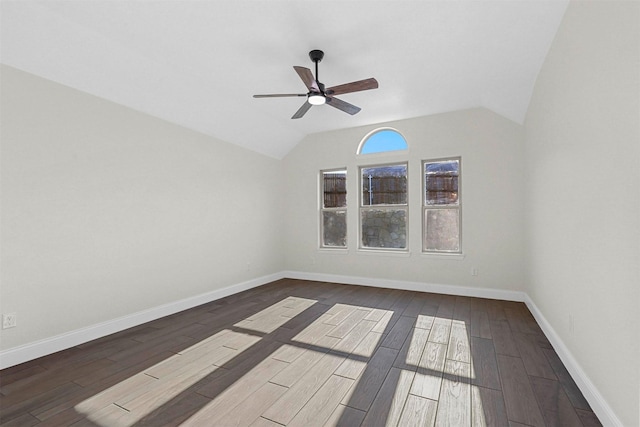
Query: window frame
column 457, row 206
column 324, row 209
column 369, row 135
column 362, row 207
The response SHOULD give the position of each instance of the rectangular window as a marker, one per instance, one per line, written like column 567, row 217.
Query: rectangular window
column 333, row 221
column 383, row 207
column 441, row 207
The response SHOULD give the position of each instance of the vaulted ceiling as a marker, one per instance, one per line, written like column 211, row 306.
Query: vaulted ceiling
column 198, row 63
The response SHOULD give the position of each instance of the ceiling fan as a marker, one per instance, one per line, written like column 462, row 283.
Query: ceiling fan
column 318, row 95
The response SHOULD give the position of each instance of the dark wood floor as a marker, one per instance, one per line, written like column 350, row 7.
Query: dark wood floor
column 302, row 353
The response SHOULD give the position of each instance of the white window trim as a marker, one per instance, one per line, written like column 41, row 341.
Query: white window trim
column 442, row 254
column 384, row 251
column 321, row 245
column 361, row 207
column 373, row 132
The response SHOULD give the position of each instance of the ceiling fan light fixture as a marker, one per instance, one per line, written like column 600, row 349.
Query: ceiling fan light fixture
column 317, row 99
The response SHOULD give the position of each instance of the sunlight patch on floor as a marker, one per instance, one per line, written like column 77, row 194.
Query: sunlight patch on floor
column 434, row 363
column 134, row 398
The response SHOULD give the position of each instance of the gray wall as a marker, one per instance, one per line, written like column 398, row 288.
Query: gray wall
column 107, row 211
column 491, row 148
column 582, row 198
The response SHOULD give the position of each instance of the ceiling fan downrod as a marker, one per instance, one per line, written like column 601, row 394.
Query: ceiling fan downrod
column 316, row 56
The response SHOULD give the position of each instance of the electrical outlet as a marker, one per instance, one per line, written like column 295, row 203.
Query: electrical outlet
column 474, row 271
column 9, row 320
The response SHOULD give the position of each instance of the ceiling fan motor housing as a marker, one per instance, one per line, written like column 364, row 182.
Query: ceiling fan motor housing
column 316, row 55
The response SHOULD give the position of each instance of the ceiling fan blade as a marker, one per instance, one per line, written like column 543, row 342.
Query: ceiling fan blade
column 307, row 77
column 341, row 105
column 279, row 95
column 302, row 110
column 365, row 84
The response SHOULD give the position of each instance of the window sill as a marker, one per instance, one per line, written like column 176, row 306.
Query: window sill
column 399, row 253
column 336, row 250
column 434, row 255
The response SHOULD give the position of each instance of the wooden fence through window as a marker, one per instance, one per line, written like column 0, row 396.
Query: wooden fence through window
column 441, row 188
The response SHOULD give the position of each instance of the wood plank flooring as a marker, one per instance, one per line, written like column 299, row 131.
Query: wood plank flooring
column 301, row 353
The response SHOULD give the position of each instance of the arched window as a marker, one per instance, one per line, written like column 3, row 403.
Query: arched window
column 383, row 198
column 382, row 140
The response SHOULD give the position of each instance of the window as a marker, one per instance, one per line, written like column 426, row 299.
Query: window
column 383, row 206
column 441, row 206
column 334, row 209
column 381, row 140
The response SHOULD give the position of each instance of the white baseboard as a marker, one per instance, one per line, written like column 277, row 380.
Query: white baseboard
column 597, row 402
column 466, row 291
column 51, row 345
column 24, row 353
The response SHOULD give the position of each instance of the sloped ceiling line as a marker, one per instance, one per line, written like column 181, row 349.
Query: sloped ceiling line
column 197, row 64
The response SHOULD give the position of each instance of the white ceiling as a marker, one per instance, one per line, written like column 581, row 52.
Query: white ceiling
column 198, row 63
